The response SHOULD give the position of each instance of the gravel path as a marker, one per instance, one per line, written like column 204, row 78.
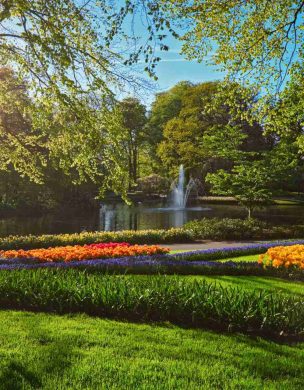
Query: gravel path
column 207, row 245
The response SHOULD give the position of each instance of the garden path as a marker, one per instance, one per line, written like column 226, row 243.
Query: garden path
column 206, row 244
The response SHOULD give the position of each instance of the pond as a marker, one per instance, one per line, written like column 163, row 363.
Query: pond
column 119, row 216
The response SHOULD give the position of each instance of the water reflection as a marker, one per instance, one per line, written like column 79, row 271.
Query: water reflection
column 149, row 216
column 121, row 216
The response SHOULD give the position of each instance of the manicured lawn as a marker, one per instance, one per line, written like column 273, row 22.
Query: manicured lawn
column 241, row 258
column 236, row 259
column 79, row 352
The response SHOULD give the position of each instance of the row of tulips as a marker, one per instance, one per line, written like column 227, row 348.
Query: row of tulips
column 84, row 252
column 284, row 257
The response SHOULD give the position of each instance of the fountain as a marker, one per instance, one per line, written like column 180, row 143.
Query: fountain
column 180, row 192
column 174, row 214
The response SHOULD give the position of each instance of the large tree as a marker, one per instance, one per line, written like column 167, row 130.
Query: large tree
column 256, row 42
column 133, row 120
column 166, row 106
column 21, row 146
column 201, row 115
column 74, row 58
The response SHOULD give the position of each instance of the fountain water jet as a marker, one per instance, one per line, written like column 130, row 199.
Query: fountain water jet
column 180, row 192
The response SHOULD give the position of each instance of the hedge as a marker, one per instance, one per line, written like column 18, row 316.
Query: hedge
column 131, row 236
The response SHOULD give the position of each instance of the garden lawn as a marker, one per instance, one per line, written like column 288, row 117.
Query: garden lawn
column 79, row 352
column 241, row 258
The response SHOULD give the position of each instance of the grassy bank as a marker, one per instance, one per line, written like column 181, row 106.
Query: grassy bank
column 79, row 352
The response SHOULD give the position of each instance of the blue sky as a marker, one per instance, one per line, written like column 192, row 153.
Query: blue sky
column 173, row 67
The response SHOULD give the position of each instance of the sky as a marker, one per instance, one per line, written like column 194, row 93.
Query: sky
column 174, row 67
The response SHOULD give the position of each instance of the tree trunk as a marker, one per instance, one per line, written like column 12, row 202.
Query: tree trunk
column 134, row 167
column 249, row 209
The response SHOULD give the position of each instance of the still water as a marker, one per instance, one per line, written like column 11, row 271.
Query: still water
column 149, row 216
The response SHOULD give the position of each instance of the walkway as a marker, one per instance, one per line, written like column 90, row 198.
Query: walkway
column 207, row 244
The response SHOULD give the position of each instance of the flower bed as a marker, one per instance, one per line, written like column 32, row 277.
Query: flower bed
column 284, row 257
column 83, row 252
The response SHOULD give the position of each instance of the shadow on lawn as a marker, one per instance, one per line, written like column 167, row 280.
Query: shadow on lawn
column 53, row 356
column 55, row 351
column 14, row 376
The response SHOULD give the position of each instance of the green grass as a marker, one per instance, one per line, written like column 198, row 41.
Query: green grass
column 241, row 258
column 288, row 202
column 236, row 259
column 40, row 351
column 180, row 251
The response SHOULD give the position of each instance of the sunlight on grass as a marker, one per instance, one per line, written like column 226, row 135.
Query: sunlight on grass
column 77, row 352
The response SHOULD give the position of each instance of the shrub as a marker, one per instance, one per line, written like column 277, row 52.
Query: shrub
column 153, row 184
column 226, row 228
column 155, row 298
column 130, row 236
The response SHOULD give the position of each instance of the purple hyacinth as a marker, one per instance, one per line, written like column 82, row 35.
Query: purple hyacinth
column 128, row 262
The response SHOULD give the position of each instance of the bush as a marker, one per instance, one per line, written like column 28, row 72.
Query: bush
column 130, row 236
column 157, row 298
column 153, row 184
column 226, row 228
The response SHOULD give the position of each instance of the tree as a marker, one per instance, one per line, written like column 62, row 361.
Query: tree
column 166, row 106
column 188, row 136
column 67, row 52
column 256, row 43
column 254, row 182
column 252, row 40
column 133, row 120
column 21, row 146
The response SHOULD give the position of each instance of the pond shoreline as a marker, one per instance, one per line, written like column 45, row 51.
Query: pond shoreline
column 148, row 215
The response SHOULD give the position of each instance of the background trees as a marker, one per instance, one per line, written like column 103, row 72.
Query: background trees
column 201, row 133
column 133, row 121
column 59, row 112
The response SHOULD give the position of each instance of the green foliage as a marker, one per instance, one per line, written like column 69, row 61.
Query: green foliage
column 245, row 183
column 71, row 72
column 21, row 146
column 226, row 228
column 256, row 45
column 213, row 229
column 252, row 41
column 157, row 298
column 133, row 127
column 204, row 134
column 236, row 229
column 153, row 184
column 131, row 236
column 253, row 182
